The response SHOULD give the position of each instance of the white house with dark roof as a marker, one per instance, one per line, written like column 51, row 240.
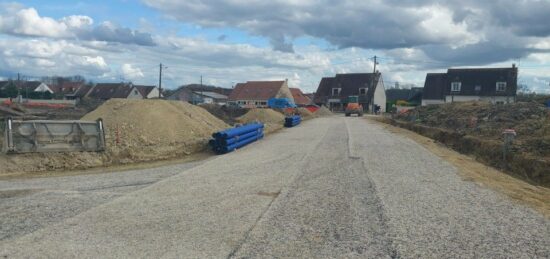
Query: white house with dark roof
column 496, row 85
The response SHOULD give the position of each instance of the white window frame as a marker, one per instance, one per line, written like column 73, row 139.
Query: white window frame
column 366, row 89
column 339, row 91
column 456, row 86
column 501, row 86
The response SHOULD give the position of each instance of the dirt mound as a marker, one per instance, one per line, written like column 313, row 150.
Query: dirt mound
column 306, row 114
column 273, row 120
column 136, row 131
column 144, row 130
column 531, row 121
column 226, row 113
column 476, row 128
column 323, row 111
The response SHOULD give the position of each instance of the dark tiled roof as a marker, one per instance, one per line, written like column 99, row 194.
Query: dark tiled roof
column 434, row 86
column 107, row 91
column 324, row 87
column 66, row 87
column 299, row 97
column 484, row 77
column 350, row 85
column 83, row 90
column 256, row 90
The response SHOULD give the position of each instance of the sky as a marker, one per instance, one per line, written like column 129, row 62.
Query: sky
column 232, row 41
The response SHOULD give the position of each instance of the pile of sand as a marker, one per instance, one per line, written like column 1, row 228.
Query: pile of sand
column 273, row 120
column 305, row 113
column 228, row 114
column 323, row 111
column 145, row 130
column 136, row 131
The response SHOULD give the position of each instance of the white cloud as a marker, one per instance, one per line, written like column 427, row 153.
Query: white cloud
column 27, row 22
column 130, row 72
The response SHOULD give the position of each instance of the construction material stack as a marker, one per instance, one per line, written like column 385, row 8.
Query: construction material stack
column 292, row 121
column 231, row 139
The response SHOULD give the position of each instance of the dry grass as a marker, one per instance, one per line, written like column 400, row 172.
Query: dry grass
column 485, row 176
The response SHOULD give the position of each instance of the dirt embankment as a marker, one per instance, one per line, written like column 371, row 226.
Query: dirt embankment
column 476, row 128
column 136, row 131
column 226, row 113
column 273, row 120
column 323, row 111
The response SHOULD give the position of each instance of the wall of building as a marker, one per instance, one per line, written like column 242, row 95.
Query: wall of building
column 134, row 94
column 493, row 99
column 250, row 103
column 380, row 96
column 153, row 94
column 43, row 88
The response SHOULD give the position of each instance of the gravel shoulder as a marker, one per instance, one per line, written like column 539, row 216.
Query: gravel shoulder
column 333, row 187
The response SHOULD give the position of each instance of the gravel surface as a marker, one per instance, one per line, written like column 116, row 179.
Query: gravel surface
column 332, row 188
column 30, row 204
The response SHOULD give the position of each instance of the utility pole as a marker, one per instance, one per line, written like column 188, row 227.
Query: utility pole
column 373, row 86
column 160, row 80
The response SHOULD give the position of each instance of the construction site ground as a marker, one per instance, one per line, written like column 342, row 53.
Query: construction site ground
column 333, row 187
column 476, row 129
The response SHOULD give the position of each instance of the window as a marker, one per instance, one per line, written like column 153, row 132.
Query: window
column 336, row 91
column 478, row 88
column 501, row 86
column 363, row 91
column 455, row 86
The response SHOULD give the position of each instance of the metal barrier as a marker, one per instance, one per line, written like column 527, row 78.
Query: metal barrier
column 292, row 121
column 228, row 140
column 37, row 136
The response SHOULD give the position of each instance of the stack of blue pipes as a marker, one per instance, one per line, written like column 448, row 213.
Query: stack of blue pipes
column 228, row 140
column 292, row 121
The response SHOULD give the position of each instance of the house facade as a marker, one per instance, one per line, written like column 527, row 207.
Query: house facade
column 496, row 85
column 334, row 92
column 256, row 93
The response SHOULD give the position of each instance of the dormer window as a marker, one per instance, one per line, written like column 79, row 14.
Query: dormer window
column 363, row 91
column 336, row 91
column 455, row 86
column 501, row 86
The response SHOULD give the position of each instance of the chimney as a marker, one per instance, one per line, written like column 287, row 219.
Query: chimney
column 513, row 65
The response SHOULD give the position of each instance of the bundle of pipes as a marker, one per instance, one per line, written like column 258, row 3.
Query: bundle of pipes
column 292, row 121
column 229, row 140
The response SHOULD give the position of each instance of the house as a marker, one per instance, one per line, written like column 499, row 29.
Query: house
column 300, row 98
column 210, row 97
column 106, row 91
column 257, row 93
column 27, row 89
column 67, row 89
column 334, row 92
column 148, row 91
column 28, row 86
column 497, row 85
column 197, row 94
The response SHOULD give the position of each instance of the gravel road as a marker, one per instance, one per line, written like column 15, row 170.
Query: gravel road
column 331, row 188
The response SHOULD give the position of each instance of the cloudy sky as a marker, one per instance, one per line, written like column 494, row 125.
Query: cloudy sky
column 230, row 41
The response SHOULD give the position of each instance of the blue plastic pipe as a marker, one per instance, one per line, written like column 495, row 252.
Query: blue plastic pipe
column 238, row 131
